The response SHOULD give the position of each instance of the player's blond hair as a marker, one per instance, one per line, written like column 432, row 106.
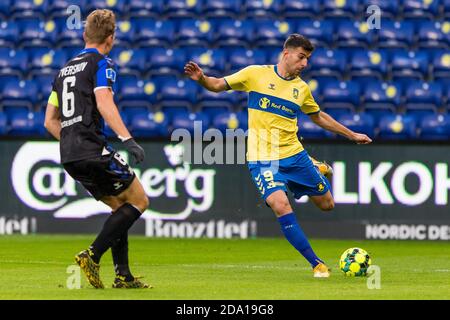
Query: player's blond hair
column 100, row 24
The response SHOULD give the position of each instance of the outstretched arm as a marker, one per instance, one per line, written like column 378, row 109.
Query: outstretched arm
column 325, row 121
column 193, row 71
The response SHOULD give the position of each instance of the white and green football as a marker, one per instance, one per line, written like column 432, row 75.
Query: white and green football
column 354, row 262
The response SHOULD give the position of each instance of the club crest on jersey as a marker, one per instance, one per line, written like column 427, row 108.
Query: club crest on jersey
column 320, row 187
column 295, row 93
column 111, row 74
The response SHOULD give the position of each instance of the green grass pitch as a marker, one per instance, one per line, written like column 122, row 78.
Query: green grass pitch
column 35, row 267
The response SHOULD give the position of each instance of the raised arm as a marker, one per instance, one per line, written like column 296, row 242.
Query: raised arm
column 214, row 84
column 325, row 121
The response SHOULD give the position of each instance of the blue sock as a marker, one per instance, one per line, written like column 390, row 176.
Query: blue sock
column 297, row 238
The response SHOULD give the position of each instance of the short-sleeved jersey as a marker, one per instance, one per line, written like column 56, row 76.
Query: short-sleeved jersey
column 273, row 106
column 73, row 93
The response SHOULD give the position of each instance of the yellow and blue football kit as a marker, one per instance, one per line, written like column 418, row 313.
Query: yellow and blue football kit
column 275, row 156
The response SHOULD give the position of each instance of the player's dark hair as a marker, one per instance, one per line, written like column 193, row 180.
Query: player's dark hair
column 296, row 40
column 100, row 24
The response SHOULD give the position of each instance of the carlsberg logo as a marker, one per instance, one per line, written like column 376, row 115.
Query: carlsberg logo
column 41, row 183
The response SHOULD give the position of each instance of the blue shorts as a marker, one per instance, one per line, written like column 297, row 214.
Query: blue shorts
column 297, row 172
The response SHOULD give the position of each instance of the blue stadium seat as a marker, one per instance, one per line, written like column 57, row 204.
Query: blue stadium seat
column 295, row 8
column 327, row 64
column 13, row 62
column 397, row 127
column 242, row 117
column 422, row 98
column 70, row 38
column 234, row 33
column 38, row 34
column 441, row 67
column 20, row 95
column 409, row 66
column 333, row 8
column 195, row 33
column 119, row 7
column 424, row 95
column 272, row 33
column 9, row 33
column 211, row 61
column 354, row 34
column 389, row 9
column 446, row 7
column 5, row 78
column 213, row 103
column 359, row 122
column 29, row 8
column 341, row 95
column 5, row 8
column 309, row 130
column 149, row 125
column 228, row 121
column 420, row 9
column 146, row 8
column 58, row 8
column 222, row 8
column 241, row 58
column 189, row 121
column 320, row 32
column 182, row 8
column 316, row 89
column 435, row 127
column 125, row 33
column 137, row 93
column 382, row 99
column 27, row 124
column 155, row 33
column 45, row 88
column 272, row 55
column 167, row 61
column 3, row 124
column 131, row 61
column 45, row 61
column 263, row 8
column 368, row 65
column 395, row 34
column 177, row 95
column 430, row 34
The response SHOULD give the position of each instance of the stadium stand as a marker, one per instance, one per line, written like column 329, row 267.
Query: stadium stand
column 391, row 83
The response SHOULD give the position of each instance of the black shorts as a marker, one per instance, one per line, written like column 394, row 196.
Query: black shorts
column 108, row 175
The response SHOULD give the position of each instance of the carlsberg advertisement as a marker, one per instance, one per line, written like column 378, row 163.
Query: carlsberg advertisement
column 382, row 191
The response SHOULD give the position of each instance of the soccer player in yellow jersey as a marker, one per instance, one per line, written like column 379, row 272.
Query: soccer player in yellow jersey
column 276, row 158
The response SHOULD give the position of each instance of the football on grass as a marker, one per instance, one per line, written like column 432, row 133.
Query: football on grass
column 355, row 262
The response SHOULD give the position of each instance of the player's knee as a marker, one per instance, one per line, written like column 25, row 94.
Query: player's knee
column 327, row 205
column 280, row 207
column 143, row 203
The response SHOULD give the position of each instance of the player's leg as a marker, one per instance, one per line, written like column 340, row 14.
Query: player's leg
column 323, row 202
column 135, row 195
column 280, row 205
column 108, row 178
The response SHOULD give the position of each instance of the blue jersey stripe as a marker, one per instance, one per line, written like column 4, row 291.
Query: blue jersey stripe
column 268, row 103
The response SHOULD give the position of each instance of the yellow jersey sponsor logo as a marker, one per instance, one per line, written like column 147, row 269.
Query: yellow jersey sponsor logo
column 264, row 103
